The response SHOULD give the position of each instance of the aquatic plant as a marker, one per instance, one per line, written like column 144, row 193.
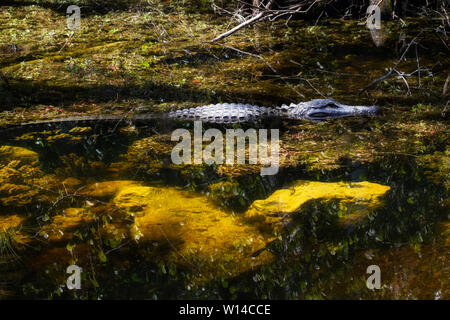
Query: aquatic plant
column 8, row 245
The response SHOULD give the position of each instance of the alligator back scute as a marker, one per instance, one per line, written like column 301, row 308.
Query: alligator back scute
column 223, row 113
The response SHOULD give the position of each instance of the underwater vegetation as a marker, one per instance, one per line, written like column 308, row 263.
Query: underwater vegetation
column 196, row 233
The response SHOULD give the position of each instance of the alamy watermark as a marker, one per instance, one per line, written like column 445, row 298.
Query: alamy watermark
column 374, row 281
column 214, row 152
column 374, row 17
column 74, row 20
column 74, row 280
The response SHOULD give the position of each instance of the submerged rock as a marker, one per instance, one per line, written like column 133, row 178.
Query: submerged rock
column 418, row 271
column 9, row 153
column 359, row 198
column 183, row 227
column 195, row 232
column 107, row 189
column 63, row 226
column 198, row 234
column 72, row 183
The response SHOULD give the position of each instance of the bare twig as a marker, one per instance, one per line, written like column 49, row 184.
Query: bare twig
column 255, row 18
column 445, row 89
column 394, row 68
column 402, row 76
column 271, row 14
column 418, row 66
column 242, row 25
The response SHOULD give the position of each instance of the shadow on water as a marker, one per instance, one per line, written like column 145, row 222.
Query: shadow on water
column 26, row 93
column 90, row 7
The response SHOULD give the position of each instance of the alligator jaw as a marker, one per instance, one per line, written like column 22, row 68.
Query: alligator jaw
column 325, row 109
column 349, row 111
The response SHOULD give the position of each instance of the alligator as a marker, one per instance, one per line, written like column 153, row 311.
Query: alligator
column 314, row 110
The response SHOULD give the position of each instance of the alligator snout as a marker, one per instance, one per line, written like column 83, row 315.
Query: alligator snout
column 368, row 110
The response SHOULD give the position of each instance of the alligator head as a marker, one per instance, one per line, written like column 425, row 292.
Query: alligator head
column 323, row 109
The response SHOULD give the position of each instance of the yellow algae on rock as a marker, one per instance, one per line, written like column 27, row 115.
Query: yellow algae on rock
column 13, row 223
column 359, row 197
column 107, row 188
column 61, row 136
column 80, row 130
column 137, row 196
column 72, row 182
column 9, row 153
column 197, row 233
column 62, row 227
column 20, row 176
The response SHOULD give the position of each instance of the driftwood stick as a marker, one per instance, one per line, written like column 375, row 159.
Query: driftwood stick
column 265, row 12
column 255, row 18
column 242, row 25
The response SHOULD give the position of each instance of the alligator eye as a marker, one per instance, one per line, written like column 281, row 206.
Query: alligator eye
column 318, row 115
column 328, row 105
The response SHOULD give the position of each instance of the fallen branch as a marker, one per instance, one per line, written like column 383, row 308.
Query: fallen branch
column 255, row 18
column 242, row 25
column 272, row 15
